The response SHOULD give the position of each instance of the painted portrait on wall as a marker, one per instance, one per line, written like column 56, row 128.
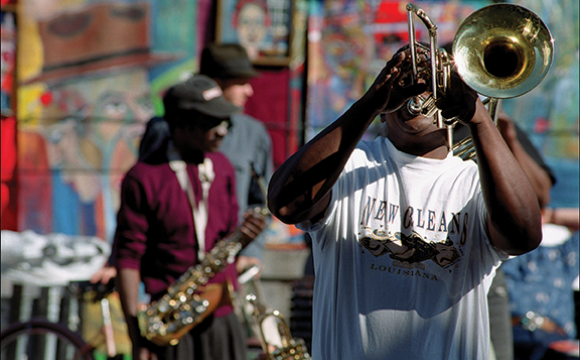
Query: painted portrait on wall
column 86, row 110
column 263, row 27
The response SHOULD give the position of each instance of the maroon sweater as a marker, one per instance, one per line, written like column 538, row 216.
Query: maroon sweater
column 155, row 229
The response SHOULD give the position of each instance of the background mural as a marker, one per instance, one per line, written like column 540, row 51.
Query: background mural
column 550, row 112
column 93, row 72
column 8, row 131
column 8, row 22
column 93, row 75
column 350, row 40
column 263, row 27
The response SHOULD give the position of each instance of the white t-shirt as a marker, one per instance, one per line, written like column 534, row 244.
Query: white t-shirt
column 402, row 261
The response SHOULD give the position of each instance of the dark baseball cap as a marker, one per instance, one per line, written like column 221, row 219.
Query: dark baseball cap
column 199, row 93
column 226, row 61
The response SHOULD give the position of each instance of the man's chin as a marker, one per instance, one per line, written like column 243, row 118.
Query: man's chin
column 419, row 124
column 240, row 103
column 214, row 147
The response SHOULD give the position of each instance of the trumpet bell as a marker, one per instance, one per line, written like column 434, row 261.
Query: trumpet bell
column 502, row 51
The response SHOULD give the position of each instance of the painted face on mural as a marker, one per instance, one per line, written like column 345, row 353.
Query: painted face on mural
column 87, row 97
column 122, row 102
column 251, row 28
column 118, row 106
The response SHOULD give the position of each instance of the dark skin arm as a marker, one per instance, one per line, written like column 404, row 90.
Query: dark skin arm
column 514, row 218
column 300, row 189
column 536, row 174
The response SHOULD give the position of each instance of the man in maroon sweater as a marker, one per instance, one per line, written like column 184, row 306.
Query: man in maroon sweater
column 167, row 200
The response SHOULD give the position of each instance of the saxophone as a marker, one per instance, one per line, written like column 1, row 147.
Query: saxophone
column 188, row 301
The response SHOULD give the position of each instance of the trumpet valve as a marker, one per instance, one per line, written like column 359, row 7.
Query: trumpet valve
column 414, row 106
column 421, row 106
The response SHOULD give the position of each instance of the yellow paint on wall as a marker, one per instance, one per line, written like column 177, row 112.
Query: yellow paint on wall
column 30, row 53
column 29, row 108
column 30, row 60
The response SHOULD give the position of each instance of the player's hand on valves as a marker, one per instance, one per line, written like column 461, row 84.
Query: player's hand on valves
column 459, row 101
column 394, row 85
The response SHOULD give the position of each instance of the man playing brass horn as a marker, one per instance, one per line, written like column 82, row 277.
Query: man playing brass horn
column 409, row 189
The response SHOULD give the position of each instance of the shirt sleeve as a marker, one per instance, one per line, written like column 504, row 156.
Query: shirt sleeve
column 265, row 168
column 267, row 159
column 132, row 225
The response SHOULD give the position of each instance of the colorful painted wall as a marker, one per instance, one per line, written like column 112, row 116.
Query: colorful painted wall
column 8, row 131
column 550, row 112
column 350, row 41
column 91, row 74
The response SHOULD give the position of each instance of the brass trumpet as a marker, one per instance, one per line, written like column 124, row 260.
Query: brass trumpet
column 501, row 51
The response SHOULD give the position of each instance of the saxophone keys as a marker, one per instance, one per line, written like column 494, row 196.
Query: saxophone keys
column 182, row 298
column 200, row 308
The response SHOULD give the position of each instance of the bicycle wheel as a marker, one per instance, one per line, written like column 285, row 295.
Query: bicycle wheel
column 40, row 339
